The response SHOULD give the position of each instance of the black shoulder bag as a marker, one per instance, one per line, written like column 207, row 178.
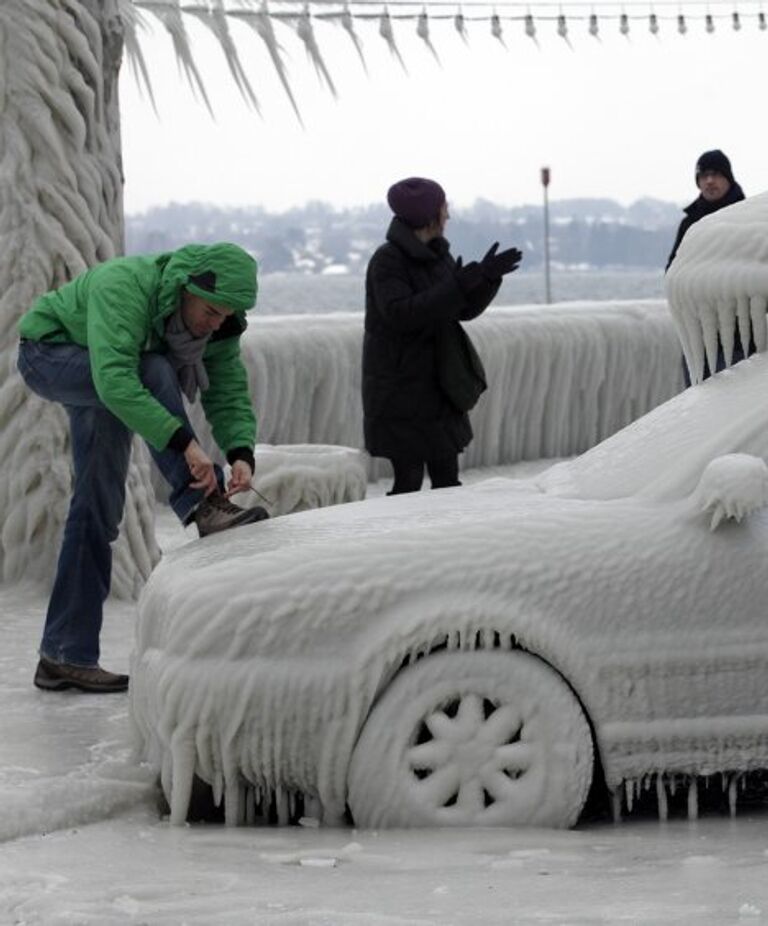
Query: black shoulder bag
column 460, row 370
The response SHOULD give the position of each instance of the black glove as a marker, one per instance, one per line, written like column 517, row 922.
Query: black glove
column 469, row 276
column 494, row 266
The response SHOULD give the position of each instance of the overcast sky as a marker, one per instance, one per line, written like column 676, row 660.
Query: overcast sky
column 616, row 117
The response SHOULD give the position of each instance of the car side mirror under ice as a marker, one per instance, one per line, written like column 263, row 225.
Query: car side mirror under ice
column 731, row 487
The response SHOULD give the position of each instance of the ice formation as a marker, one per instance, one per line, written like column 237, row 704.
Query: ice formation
column 262, row 656
column 732, row 486
column 259, row 655
column 561, row 378
column 60, row 211
column 717, row 285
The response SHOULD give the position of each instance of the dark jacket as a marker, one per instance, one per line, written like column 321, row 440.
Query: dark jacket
column 698, row 209
column 411, row 289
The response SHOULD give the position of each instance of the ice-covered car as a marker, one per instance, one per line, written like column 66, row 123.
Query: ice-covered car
column 481, row 655
column 472, row 656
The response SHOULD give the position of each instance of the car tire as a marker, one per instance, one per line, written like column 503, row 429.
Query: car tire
column 473, row 739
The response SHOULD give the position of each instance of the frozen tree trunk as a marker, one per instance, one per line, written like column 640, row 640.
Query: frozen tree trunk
column 60, row 212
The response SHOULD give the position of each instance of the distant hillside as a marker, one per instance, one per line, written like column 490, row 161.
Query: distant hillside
column 317, row 238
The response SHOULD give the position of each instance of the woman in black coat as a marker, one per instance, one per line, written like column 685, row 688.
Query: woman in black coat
column 413, row 289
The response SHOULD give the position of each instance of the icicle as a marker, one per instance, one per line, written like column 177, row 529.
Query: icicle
column 661, row 797
column 673, row 785
column 735, row 21
column 182, row 751
column 387, row 33
column 461, row 26
column 306, row 33
column 758, row 305
column 250, row 807
column 281, row 806
column 693, row 799
column 215, row 18
column 261, row 21
column 732, row 794
column 629, row 793
column 761, row 23
column 562, row 28
column 682, row 28
column 593, row 27
column 496, row 28
column 653, row 24
column 171, row 18
column 348, row 24
column 231, row 801
column 422, row 30
column 709, row 23
column 530, row 27
column 132, row 21
column 616, row 805
column 624, row 24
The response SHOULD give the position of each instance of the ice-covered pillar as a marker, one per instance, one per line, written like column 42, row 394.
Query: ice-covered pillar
column 60, row 212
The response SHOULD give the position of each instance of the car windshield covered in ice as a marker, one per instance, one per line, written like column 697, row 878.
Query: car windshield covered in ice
column 480, row 655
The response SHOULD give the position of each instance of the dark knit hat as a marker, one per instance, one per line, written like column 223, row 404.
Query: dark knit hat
column 715, row 161
column 416, row 200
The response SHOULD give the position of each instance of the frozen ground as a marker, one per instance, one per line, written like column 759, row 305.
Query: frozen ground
column 81, row 841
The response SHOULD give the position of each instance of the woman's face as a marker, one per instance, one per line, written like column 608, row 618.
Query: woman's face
column 443, row 218
column 436, row 228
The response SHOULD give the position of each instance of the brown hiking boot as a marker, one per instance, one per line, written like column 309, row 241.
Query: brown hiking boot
column 55, row 676
column 217, row 513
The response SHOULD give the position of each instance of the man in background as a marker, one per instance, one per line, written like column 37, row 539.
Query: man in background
column 717, row 189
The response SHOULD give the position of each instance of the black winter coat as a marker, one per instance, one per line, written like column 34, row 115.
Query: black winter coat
column 698, row 209
column 411, row 289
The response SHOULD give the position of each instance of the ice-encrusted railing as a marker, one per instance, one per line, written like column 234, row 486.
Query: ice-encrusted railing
column 560, row 378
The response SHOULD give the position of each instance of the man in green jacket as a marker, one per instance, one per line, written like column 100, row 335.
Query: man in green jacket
column 117, row 347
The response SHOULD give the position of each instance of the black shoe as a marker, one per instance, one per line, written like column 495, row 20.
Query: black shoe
column 54, row 676
column 216, row 513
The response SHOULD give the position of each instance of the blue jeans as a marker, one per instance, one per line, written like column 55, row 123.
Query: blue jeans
column 101, row 450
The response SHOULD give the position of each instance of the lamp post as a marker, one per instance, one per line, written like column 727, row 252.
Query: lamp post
column 545, row 175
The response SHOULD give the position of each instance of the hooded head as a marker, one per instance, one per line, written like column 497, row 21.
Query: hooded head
column 416, row 201
column 714, row 162
column 224, row 274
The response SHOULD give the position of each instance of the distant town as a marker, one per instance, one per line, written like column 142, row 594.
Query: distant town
column 319, row 239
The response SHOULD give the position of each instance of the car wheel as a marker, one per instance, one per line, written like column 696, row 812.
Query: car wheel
column 473, row 739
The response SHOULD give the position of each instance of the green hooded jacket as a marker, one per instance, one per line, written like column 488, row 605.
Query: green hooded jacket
column 118, row 310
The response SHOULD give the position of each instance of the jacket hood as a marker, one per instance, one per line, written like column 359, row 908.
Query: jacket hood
column 223, row 273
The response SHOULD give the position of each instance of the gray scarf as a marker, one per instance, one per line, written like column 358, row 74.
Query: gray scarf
column 185, row 354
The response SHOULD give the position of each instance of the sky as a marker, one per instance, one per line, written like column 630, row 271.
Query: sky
column 619, row 116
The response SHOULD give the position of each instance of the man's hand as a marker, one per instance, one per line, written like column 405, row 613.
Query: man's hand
column 201, row 467
column 239, row 478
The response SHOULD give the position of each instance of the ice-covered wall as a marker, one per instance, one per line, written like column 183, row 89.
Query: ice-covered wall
column 60, row 211
column 561, row 378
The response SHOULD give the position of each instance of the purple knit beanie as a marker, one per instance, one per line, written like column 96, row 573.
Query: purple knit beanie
column 416, row 200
